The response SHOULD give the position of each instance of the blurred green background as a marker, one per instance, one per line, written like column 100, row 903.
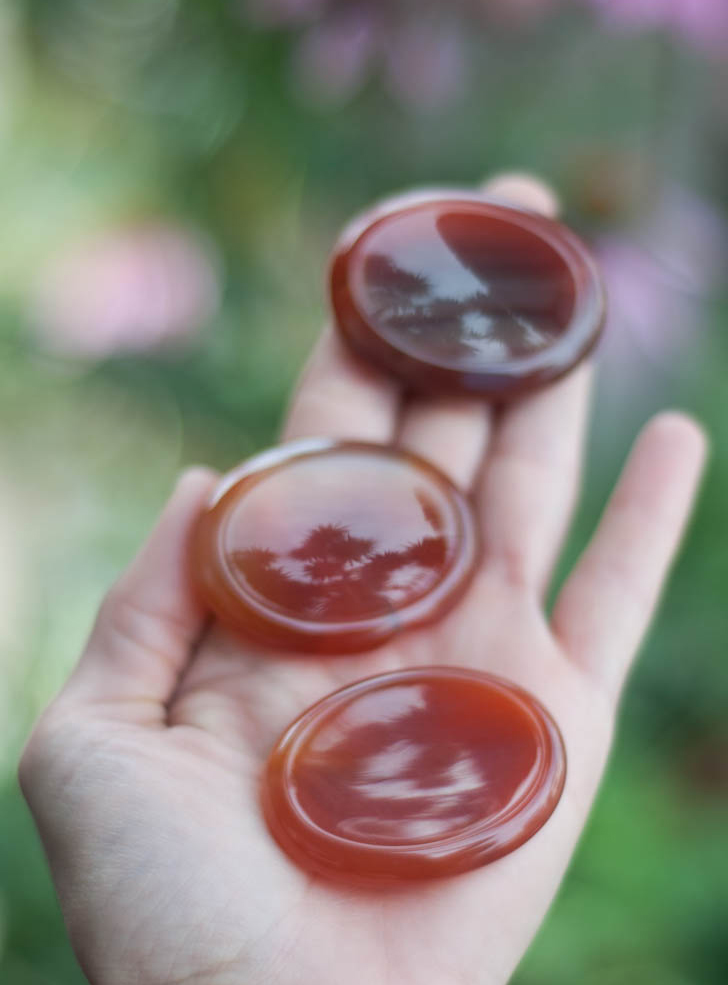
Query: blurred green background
column 172, row 174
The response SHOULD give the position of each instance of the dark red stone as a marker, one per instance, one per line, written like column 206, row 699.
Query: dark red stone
column 425, row 772
column 467, row 296
column 333, row 546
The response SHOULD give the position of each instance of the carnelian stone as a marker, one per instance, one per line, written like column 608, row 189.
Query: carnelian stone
column 465, row 295
column 420, row 773
column 331, row 546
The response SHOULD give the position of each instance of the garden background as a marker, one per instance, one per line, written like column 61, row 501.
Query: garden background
column 172, row 174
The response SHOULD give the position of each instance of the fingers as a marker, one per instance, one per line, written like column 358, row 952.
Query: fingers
column 533, row 471
column 151, row 619
column 606, row 604
column 524, row 190
column 340, row 396
column 532, row 477
column 452, row 432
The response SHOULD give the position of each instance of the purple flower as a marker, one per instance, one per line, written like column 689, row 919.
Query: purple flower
column 701, row 22
column 422, row 61
column 659, row 277
column 425, row 64
column 333, row 58
column 127, row 290
column 420, row 51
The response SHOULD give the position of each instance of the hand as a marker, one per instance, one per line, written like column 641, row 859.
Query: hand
column 143, row 774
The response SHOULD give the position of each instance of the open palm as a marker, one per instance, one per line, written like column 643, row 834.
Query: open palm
column 143, row 774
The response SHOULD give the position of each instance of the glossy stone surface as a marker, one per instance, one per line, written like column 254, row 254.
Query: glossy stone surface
column 467, row 296
column 333, row 546
column 419, row 773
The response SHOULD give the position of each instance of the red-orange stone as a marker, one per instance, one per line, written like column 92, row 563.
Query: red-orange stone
column 333, row 547
column 467, row 296
column 425, row 772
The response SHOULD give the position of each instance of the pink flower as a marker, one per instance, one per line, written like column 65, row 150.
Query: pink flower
column 127, row 290
column 701, row 22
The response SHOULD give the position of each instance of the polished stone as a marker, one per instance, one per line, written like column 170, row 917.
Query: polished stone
column 333, row 546
column 467, row 296
column 419, row 773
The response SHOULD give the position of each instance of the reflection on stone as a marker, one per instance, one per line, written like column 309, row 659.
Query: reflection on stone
column 428, row 771
column 482, row 323
column 467, row 296
column 335, row 575
column 336, row 548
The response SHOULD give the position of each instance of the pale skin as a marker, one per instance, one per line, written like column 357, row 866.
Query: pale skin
column 142, row 775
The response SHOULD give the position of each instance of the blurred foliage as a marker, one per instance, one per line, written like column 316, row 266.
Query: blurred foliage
column 191, row 115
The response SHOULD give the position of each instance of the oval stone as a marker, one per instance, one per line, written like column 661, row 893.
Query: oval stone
column 420, row 773
column 467, row 296
column 332, row 547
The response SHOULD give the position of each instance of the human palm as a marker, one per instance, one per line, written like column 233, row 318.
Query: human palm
column 143, row 775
